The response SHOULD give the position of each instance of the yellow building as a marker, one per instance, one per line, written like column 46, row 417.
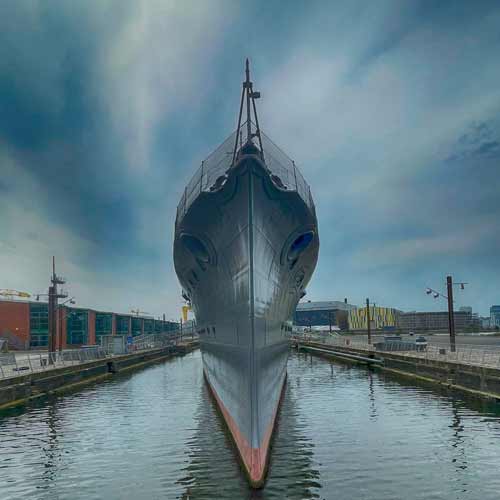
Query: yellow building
column 380, row 317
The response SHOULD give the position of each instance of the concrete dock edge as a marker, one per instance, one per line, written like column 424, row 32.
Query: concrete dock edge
column 15, row 391
column 475, row 380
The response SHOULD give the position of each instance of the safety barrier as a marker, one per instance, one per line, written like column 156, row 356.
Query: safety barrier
column 478, row 355
column 13, row 364
column 22, row 363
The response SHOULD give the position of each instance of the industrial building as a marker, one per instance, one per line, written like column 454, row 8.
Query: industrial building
column 381, row 318
column 26, row 325
column 324, row 313
column 424, row 321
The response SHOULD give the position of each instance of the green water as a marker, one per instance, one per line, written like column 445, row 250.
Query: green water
column 344, row 433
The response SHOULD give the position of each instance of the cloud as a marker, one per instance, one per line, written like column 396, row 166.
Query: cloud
column 156, row 64
column 448, row 243
column 378, row 122
column 392, row 111
column 480, row 140
column 89, row 90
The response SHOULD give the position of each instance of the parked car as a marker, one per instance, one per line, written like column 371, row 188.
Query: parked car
column 421, row 343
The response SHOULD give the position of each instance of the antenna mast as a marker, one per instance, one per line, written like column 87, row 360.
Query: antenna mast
column 248, row 93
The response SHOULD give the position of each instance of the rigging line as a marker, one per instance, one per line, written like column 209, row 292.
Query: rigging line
column 248, row 85
column 239, row 125
column 257, row 132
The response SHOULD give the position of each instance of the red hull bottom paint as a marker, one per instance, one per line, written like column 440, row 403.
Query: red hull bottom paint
column 255, row 460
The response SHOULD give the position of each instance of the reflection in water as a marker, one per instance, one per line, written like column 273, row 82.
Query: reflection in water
column 459, row 446
column 213, row 469
column 211, row 465
column 343, row 432
column 51, row 446
column 373, row 406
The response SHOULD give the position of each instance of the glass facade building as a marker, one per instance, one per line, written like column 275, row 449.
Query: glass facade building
column 136, row 326
column 495, row 316
column 149, row 325
column 77, row 330
column 159, row 327
column 26, row 325
column 103, row 325
column 39, row 325
column 122, row 325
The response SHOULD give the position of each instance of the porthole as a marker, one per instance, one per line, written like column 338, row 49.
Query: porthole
column 299, row 245
column 196, row 247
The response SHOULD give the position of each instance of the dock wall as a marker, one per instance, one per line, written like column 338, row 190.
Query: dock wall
column 474, row 379
column 18, row 390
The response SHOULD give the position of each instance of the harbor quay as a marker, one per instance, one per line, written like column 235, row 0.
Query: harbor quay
column 470, row 368
column 153, row 432
column 25, row 376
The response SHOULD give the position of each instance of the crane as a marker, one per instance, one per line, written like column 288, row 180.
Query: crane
column 185, row 309
column 138, row 311
column 6, row 292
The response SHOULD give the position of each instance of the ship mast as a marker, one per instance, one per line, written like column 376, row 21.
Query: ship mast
column 249, row 95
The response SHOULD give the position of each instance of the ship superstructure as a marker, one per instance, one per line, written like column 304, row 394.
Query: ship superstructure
column 246, row 244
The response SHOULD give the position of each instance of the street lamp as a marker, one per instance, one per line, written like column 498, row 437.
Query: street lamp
column 451, row 318
column 71, row 300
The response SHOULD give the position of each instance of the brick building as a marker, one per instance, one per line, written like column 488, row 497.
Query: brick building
column 25, row 325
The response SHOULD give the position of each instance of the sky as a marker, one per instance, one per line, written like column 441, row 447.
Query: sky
column 391, row 110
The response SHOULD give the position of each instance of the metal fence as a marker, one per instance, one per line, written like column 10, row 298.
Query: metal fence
column 217, row 164
column 152, row 341
column 479, row 355
column 13, row 364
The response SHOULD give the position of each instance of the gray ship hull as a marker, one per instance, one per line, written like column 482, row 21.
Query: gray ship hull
column 244, row 250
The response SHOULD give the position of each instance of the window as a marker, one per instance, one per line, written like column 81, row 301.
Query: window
column 39, row 325
column 122, row 325
column 136, row 326
column 103, row 325
column 148, row 326
column 77, row 327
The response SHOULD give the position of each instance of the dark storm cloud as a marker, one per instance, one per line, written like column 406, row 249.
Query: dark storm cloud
column 87, row 151
column 482, row 140
column 391, row 108
column 52, row 121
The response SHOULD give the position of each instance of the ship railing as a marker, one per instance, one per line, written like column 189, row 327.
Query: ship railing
column 221, row 159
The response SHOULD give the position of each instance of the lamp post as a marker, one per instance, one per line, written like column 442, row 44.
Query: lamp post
column 449, row 298
column 61, row 317
column 53, row 307
column 451, row 318
column 53, row 296
column 368, row 328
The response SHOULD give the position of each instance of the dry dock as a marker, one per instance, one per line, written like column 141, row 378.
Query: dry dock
column 476, row 373
column 18, row 389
